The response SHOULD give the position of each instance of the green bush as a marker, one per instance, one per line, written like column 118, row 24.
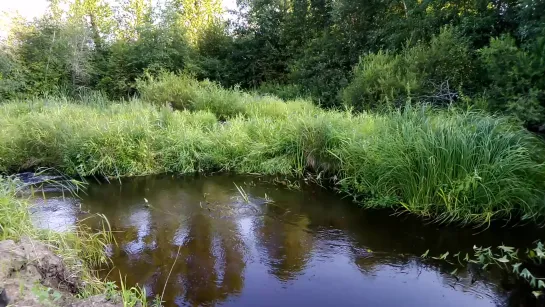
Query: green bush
column 321, row 70
column 517, row 79
column 12, row 75
column 282, row 91
column 378, row 81
column 444, row 64
column 427, row 72
column 157, row 49
column 183, row 92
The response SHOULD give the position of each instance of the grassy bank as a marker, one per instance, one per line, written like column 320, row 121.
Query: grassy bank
column 81, row 249
column 449, row 165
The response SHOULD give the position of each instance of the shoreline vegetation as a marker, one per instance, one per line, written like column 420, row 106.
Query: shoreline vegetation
column 64, row 262
column 423, row 107
column 450, row 165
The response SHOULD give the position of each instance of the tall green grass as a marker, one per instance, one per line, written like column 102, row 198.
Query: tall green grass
column 452, row 165
column 186, row 93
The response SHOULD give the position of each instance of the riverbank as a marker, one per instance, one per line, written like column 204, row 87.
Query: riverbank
column 40, row 267
column 451, row 165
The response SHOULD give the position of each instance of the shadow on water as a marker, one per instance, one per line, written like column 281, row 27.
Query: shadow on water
column 308, row 247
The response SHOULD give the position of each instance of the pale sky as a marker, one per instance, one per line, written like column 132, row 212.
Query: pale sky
column 35, row 8
column 27, row 8
column 30, row 9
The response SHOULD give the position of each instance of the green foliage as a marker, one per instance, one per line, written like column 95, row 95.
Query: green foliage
column 321, row 55
column 428, row 72
column 156, row 49
column 365, row 54
column 185, row 93
column 16, row 223
column 282, row 91
column 210, row 60
column 12, row 75
column 449, row 165
column 46, row 296
column 197, row 17
column 517, row 79
column 506, row 258
column 378, row 81
column 53, row 57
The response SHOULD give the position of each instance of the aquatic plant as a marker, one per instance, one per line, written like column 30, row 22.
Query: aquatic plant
column 504, row 257
column 451, row 165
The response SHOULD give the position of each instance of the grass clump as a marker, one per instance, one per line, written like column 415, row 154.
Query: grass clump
column 185, row 93
column 454, row 166
column 451, row 165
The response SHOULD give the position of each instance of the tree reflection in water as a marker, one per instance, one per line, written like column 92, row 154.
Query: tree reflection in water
column 286, row 246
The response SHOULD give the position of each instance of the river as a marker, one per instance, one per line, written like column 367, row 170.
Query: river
column 272, row 243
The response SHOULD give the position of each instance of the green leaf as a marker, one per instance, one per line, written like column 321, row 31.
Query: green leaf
column 526, row 274
column 516, row 267
column 503, row 259
column 425, row 255
column 507, row 249
column 539, row 253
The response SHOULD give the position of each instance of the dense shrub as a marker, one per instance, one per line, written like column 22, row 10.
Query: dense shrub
column 428, row 72
column 378, row 81
column 185, row 93
column 12, row 80
column 517, row 79
column 321, row 71
column 156, row 49
column 282, row 91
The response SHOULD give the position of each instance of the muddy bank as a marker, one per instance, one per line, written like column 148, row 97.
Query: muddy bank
column 32, row 275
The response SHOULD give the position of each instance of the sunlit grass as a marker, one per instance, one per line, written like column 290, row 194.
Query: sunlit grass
column 451, row 165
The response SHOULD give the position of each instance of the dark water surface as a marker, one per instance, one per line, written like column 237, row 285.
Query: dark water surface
column 307, row 247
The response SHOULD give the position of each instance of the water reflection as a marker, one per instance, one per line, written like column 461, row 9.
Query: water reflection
column 307, row 247
column 55, row 212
